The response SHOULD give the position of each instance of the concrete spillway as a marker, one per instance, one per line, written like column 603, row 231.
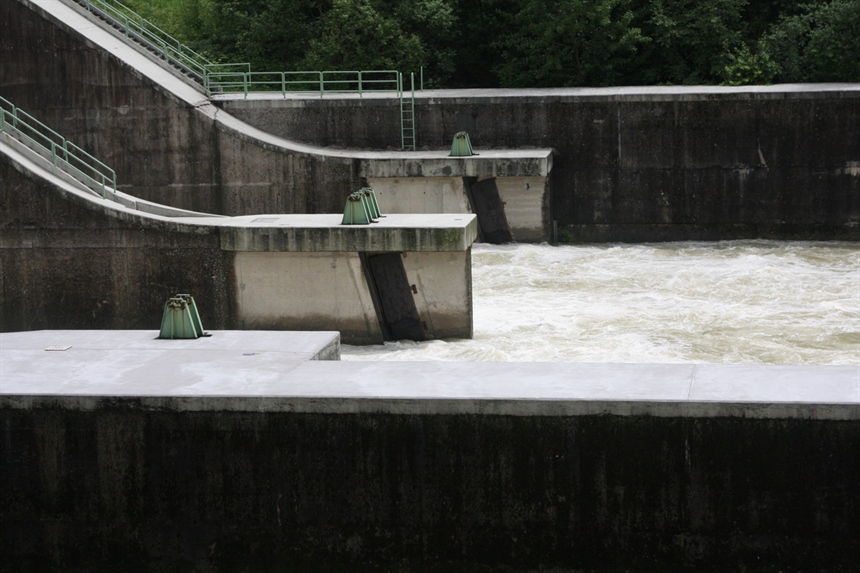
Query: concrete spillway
column 171, row 145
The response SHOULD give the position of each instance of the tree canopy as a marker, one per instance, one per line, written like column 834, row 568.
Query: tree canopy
column 530, row 43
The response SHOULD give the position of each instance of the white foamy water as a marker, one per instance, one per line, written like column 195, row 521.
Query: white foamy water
column 736, row 302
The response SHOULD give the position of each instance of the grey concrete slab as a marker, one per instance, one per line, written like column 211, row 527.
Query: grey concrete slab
column 242, row 340
column 272, row 371
column 787, row 384
column 137, row 363
column 324, row 233
column 498, row 381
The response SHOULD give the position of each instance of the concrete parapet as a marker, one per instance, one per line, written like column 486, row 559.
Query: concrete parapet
column 486, row 163
column 231, row 453
column 324, row 233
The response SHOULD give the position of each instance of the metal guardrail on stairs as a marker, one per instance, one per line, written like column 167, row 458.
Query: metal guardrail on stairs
column 237, row 78
column 162, row 44
column 62, row 153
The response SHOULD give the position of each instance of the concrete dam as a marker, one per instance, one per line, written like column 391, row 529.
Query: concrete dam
column 258, row 450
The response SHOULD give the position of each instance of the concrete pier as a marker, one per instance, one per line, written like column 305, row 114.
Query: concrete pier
column 236, row 452
column 112, row 264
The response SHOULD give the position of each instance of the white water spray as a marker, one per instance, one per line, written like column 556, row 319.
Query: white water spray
column 736, row 302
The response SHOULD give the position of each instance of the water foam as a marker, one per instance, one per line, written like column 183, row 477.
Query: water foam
column 735, row 302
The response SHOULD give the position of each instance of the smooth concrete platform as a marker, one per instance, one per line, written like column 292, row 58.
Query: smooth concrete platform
column 138, row 363
column 273, row 371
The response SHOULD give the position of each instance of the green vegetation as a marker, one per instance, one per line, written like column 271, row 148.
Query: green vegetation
column 530, row 43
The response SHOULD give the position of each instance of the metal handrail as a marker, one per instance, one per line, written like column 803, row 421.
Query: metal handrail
column 329, row 81
column 132, row 24
column 64, row 154
column 408, row 129
column 219, row 78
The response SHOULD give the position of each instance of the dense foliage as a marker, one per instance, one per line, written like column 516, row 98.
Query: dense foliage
column 530, row 43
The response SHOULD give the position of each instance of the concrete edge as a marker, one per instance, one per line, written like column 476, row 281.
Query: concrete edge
column 235, row 236
column 170, row 83
column 431, row 407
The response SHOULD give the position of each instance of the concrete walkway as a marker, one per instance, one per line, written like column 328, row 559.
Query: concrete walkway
column 280, row 371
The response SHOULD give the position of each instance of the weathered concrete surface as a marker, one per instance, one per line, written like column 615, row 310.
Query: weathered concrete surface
column 630, row 164
column 324, row 233
column 69, row 258
column 302, row 291
column 164, row 140
column 526, row 200
column 639, row 163
column 117, row 455
column 420, row 194
column 138, row 363
column 442, row 287
column 168, row 144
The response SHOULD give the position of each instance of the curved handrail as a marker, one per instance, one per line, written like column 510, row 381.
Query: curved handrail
column 217, row 78
column 63, row 154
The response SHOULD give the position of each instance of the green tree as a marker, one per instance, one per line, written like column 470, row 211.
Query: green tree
column 270, row 34
column 821, row 44
column 745, row 67
column 352, row 35
column 694, row 39
column 433, row 22
column 567, row 43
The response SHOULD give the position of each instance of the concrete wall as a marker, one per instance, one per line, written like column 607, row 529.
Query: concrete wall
column 420, row 194
column 163, row 148
column 525, row 200
column 127, row 484
column 64, row 264
column 631, row 164
column 71, row 260
column 641, row 164
column 304, row 291
column 442, row 287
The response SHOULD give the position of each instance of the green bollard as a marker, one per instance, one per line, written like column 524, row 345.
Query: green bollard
column 461, row 146
column 180, row 319
column 356, row 211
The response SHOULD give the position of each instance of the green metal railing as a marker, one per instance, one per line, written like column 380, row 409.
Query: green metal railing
column 408, row 131
column 330, row 81
column 237, row 78
column 134, row 26
column 63, row 154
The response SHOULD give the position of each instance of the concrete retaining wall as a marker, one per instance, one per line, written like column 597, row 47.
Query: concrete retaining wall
column 65, row 265
column 641, row 164
column 69, row 259
column 163, row 148
column 147, row 485
column 632, row 164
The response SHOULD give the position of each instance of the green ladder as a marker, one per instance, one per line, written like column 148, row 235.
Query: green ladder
column 407, row 116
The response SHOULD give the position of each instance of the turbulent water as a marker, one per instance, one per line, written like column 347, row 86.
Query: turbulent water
column 737, row 302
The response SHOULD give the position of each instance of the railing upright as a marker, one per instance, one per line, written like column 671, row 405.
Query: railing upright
column 62, row 152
